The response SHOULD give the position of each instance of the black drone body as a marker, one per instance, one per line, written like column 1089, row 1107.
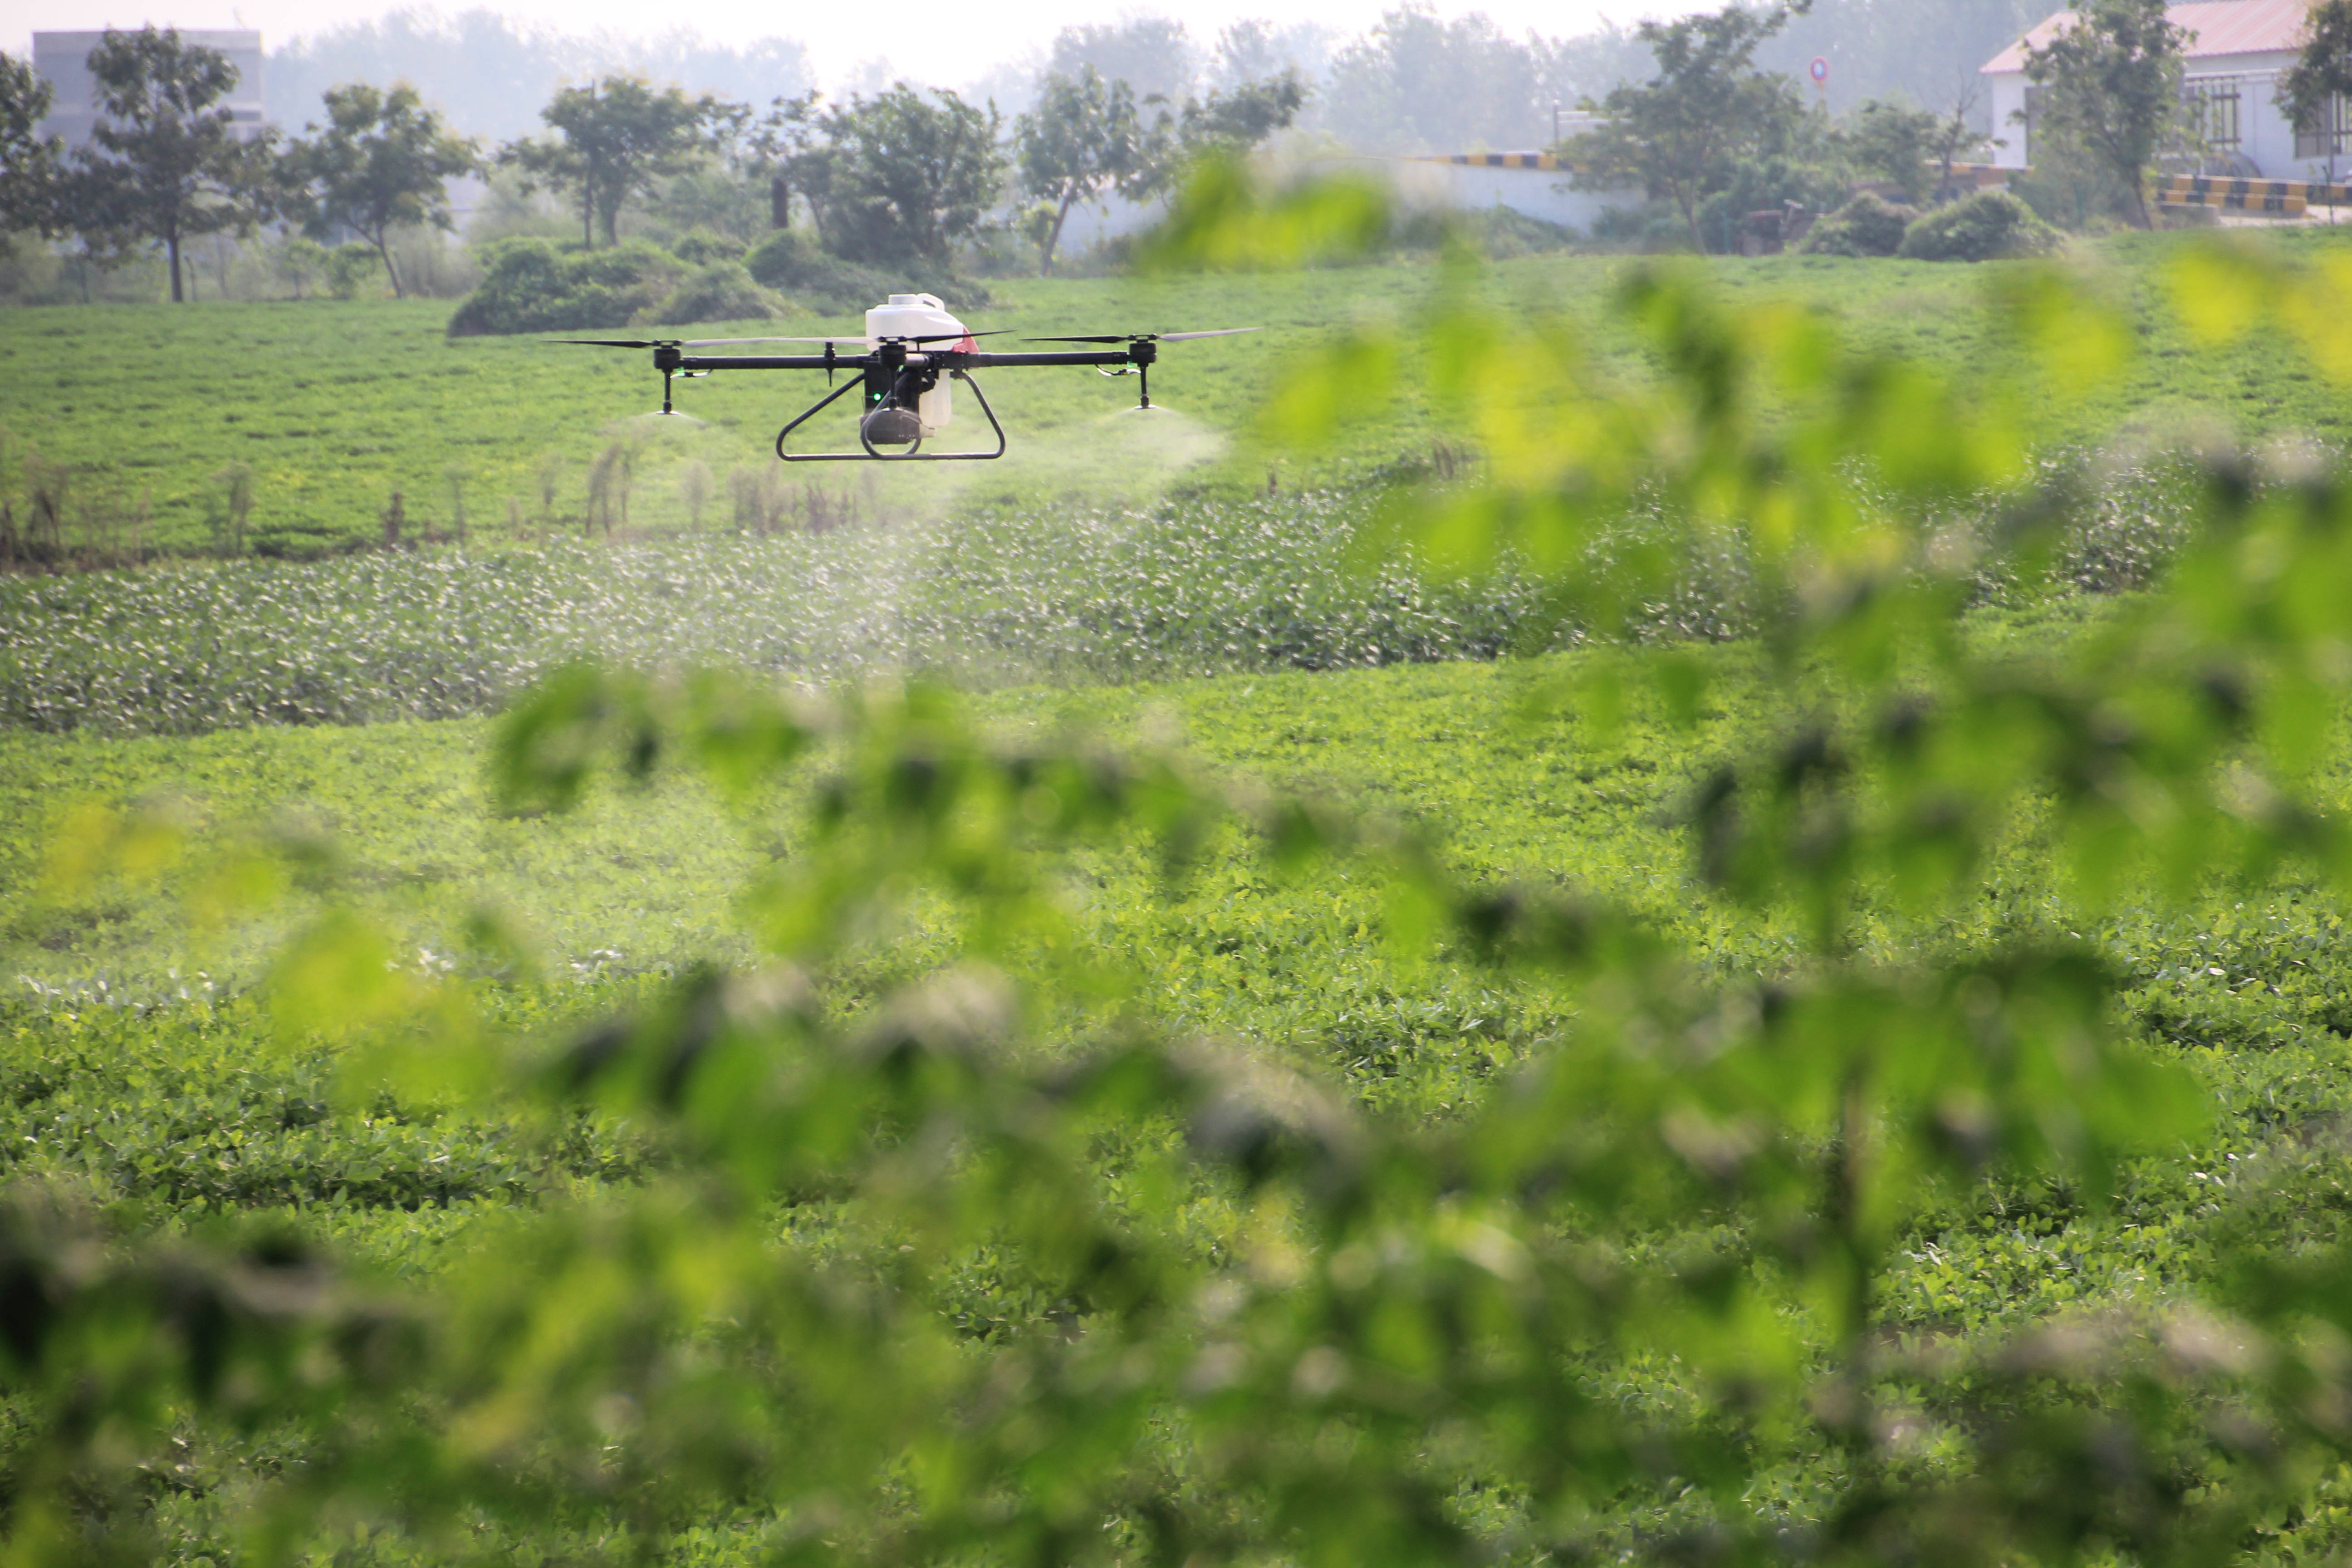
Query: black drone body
column 905, row 378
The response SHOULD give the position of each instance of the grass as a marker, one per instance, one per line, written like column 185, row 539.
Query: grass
column 335, row 406
column 140, row 1058
column 996, row 598
column 181, row 1111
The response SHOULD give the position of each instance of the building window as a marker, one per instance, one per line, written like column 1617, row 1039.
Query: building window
column 2329, row 138
column 2213, row 115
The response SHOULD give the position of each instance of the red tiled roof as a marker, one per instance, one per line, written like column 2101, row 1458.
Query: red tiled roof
column 2218, row 27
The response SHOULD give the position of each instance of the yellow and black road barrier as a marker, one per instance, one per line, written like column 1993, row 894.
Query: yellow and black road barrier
column 2276, row 198
column 1497, row 160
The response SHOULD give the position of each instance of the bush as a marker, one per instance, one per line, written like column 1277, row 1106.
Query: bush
column 1867, row 225
column 703, row 249
column 1766, row 184
column 353, row 267
column 1991, row 226
column 723, row 292
column 1496, row 233
column 531, row 286
column 1652, row 229
column 788, row 261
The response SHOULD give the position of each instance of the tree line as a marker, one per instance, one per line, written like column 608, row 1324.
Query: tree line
column 1412, row 82
column 902, row 172
column 905, row 173
column 1711, row 134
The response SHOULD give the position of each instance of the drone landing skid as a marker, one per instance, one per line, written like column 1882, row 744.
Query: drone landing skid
column 871, row 454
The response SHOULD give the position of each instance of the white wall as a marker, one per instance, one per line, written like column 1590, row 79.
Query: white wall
column 2008, row 96
column 1418, row 186
column 2266, row 137
column 1543, row 194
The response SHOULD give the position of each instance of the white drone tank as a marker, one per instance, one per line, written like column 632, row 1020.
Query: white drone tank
column 921, row 316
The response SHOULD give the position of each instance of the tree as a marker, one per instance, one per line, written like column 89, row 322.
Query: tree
column 782, row 150
column 29, row 163
column 1083, row 139
column 1228, row 123
column 1237, row 117
column 2110, row 84
column 1678, row 135
column 1418, row 83
column 490, row 68
column 618, row 137
column 1926, row 50
column 906, row 173
column 1253, row 51
column 1894, row 142
column 2312, row 88
column 1957, row 133
column 164, row 166
column 1913, row 148
column 379, row 163
column 1153, row 55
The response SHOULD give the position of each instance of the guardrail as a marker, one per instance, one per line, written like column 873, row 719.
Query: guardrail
column 2275, row 198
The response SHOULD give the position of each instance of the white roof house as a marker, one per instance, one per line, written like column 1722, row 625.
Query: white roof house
column 63, row 61
column 2235, row 52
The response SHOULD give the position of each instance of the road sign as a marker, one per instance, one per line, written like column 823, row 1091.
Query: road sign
column 1820, row 71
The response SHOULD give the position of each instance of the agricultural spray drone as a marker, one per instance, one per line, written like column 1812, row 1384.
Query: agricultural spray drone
column 904, row 374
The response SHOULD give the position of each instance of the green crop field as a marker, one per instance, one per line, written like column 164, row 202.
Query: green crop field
column 1085, row 1012
column 188, row 1111
column 336, row 405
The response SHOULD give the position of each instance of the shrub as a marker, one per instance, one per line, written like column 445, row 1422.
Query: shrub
column 1867, row 225
column 703, row 249
column 530, row 286
column 1991, row 226
column 353, row 267
column 723, row 292
column 1652, row 229
column 1761, row 185
column 790, row 261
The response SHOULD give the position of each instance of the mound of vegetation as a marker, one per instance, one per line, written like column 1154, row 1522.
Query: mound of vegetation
column 531, row 286
column 703, row 249
column 1992, row 226
column 1869, row 224
column 721, row 291
column 788, row 261
column 1498, row 233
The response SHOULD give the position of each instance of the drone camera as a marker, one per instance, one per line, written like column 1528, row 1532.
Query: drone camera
column 891, row 425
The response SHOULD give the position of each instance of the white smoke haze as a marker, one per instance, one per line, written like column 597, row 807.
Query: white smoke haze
column 934, row 43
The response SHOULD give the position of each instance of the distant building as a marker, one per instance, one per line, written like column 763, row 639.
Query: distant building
column 2236, row 50
column 63, row 61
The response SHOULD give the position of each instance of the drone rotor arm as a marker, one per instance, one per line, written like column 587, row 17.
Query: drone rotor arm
column 1148, row 337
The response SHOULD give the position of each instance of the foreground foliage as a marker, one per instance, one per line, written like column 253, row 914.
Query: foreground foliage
column 1635, row 1296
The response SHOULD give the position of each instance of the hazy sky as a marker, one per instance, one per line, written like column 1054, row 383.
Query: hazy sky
column 939, row 42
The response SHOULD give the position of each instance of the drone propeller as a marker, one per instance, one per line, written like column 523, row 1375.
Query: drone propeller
column 934, row 337
column 723, row 342
column 1147, row 337
column 691, row 343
